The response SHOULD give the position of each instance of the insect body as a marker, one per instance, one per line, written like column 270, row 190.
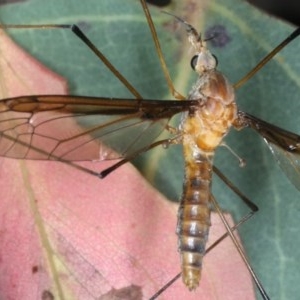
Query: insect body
column 27, row 124
column 204, row 128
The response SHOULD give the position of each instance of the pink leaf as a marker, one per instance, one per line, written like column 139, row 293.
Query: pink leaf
column 72, row 235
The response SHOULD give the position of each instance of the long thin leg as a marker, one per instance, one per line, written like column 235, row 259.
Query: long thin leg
column 244, row 198
column 79, row 33
column 160, row 53
column 266, row 59
column 254, row 209
column 102, row 57
column 240, row 250
column 107, row 171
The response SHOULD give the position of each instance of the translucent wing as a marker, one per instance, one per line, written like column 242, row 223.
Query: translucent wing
column 74, row 128
column 284, row 145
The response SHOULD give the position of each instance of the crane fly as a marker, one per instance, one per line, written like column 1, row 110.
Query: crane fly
column 27, row 122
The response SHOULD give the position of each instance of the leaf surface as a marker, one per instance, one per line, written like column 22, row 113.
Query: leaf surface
column 119, row 30
column 67, row 234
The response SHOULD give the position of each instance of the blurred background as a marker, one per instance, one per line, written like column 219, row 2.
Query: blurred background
column 288, row 9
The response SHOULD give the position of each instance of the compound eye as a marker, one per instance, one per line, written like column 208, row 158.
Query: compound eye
column 194, row 61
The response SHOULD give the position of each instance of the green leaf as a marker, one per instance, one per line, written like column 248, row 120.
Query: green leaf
column 118, row 29
column 68, row 235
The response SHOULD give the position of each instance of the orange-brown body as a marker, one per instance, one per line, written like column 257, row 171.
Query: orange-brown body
column 203, row 130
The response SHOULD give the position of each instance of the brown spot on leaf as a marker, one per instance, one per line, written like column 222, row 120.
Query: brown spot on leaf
column 132, row 292
column 47, row 295
column 34, row 269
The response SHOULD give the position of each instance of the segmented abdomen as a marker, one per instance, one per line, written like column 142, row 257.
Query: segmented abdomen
column 194, row 217
column 203, row 130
